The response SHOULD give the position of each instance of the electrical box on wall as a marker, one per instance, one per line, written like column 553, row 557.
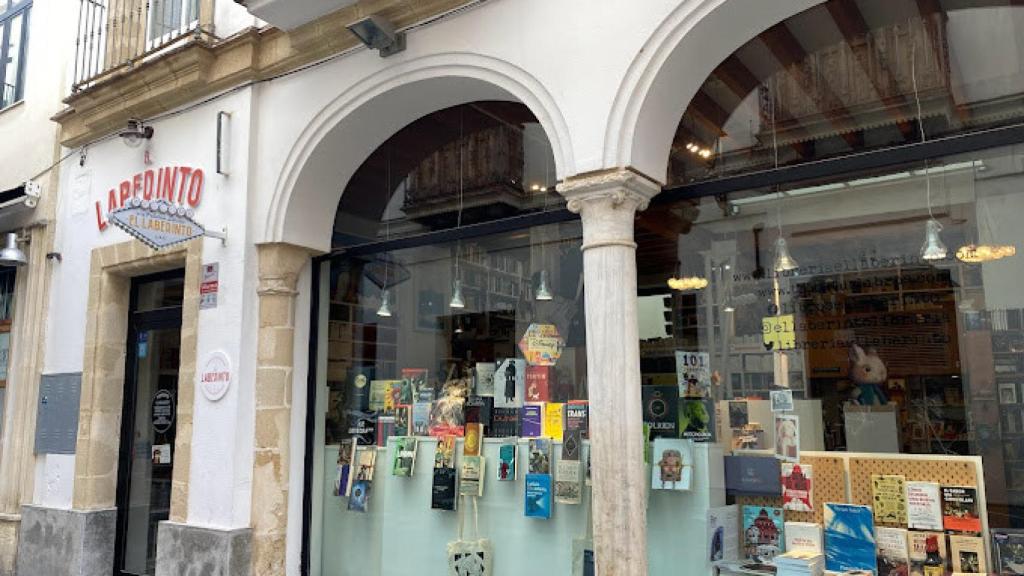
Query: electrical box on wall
column 57, row 416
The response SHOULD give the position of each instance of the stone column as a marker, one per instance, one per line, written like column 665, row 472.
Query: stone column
column 279, row 268
column 607, row 203
column 17, row 457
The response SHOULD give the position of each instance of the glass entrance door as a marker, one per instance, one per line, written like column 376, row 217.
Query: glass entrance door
column 149, row 420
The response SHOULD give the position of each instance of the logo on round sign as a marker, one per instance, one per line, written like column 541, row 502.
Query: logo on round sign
column 215, row 375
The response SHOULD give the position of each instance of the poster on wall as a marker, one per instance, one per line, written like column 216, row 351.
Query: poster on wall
column 778, row 332
column 162, row 411
column 693, row 373
column 210, row 286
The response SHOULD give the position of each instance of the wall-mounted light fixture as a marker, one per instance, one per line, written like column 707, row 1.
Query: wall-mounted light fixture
column 136, row 133
column 378, row 34
column 11, row 255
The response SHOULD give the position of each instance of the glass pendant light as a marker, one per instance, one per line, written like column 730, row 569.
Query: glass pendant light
column 933, row 248
column 457, row 302
column 784, row 262
column 385, row 304
column 543, row 293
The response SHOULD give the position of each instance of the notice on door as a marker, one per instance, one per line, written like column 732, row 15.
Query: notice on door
column 163, row 411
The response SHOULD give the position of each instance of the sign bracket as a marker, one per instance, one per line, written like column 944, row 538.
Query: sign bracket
column 222, row 235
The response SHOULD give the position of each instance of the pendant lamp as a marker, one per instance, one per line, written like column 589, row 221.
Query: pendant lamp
column 543, row 293
column 933, row 248
column 385, row 304
column 457, row 301
column 784, row 262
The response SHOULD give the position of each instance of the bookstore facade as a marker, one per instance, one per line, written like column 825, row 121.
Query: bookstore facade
column 830, row 332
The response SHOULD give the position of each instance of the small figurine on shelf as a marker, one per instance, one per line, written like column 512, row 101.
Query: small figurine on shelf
column 869, row 374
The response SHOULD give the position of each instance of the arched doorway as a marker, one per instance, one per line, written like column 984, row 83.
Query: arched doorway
column 838, row 229
column 451, row 326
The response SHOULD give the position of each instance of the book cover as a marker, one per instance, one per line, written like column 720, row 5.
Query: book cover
column 673, row 464
column 577, row 417
column 960, row 509
column 385, row 429
column 797, row 487
column 414, row 383
column 927, row 550
column 472, row 481
column 403, row 420
column 1008, row 549
column 540, row 456
column 661, row 410
column 849, row 537
column 752, row 475
column 421, row 419
column 443, row 495
column 483, row 379
column 401, row 392
column 967, row 554
column 359, row 388
column 507, row 460
column 504, row 423
column 447, row 417
column 764, row 535
column 787, row 438
column 804, row 537
column 553, row 420
column 893, row 558
column 738, row 414
column 365, row 461
column 509, row 383
column 568, row 484
column 379, row 394
column 478, row 409
column 405, row 456
column 572, row 445
column 538, row 383
column 362, row 427
column 359, row 501
column 693, row 373
column 472, row 444
column 532, row 420
column 889, row 499
column 537, row 496
column 343, row 467
column 444, row 453
column 697, row 419
column 924, row 506
column 723, row 533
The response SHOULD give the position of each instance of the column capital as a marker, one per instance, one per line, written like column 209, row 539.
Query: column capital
column 616, row 187
column 279, row 267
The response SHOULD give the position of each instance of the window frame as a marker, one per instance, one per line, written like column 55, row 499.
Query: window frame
column 13, row 10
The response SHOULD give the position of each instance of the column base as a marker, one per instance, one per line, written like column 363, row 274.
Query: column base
column 9, row 524
column 184, row 549
column 66, row 542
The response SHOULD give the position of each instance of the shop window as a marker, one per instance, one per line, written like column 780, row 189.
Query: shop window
column 853, row 333
column 13, row 49
column 471, row 339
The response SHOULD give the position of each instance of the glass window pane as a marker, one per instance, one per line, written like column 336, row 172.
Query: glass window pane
column 12, row 67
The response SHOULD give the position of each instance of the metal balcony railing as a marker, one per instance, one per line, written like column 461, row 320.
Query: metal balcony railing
column 117, row 34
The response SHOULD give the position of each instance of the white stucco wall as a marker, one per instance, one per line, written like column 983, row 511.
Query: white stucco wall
column 221, row 467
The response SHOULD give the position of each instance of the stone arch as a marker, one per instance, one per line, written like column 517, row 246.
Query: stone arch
column 668, row 71
column 353, row 125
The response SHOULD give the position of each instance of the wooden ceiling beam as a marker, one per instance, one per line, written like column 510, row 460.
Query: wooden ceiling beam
column 854, row 28
column 933, row 15
column 790, row 53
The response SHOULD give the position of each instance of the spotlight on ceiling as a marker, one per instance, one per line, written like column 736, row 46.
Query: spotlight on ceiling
column 378, row 34
column 135, row 133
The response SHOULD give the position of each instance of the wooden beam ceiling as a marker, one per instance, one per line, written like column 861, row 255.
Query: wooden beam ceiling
column 934, row 17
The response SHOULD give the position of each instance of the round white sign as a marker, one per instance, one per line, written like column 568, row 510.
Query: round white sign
column 215, row 375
